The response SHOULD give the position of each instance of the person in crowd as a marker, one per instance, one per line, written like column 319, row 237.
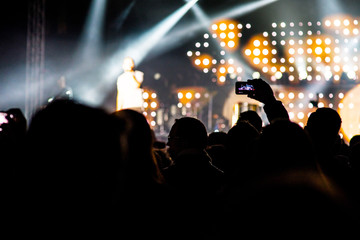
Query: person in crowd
column 216, row 148
column 324, row 126
column 71, row 170
column 193, row 176
column 143, row 198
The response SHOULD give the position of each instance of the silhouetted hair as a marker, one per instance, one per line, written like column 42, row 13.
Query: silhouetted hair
column 192, row 131
column 252, row 117
column 324, row 123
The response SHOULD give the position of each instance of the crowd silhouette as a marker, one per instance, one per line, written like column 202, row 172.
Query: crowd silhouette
column 79, row 171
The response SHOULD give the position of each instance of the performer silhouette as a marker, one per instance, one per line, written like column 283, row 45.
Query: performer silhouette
column 129, row 91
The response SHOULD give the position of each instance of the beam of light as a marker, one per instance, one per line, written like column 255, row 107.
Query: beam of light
column 329, row 7
column 91, row 39
column 188, row 31
column 88, row 53
column 137, row 49
column 120, row 19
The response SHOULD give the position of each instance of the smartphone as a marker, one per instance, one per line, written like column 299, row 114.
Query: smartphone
column 243, row 87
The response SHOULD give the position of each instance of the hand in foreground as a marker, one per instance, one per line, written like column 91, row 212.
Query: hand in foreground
column 263, row 91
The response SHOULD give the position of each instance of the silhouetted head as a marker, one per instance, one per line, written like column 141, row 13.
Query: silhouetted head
column 284, row 144
column 216, row 138
column 354, row 140
column 137, row 145
column 186, row 132
column 240, row 138
column 323, row 126
column 253, row 118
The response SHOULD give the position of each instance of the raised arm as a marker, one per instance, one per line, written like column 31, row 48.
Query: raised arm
column 263, row 93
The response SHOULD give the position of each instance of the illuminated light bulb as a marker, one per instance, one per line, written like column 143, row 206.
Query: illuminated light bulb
column 231, row 35
column 256, row 61
column 180, row 95
column 300, row 51
column 278, row 75
column 188, row 95
column 222, row 26
column 256, row 52
column 318, row 50
column 231, row 70
column 145, row 95
column 206, row 61
column 153, row 95
column 256, row 43
column 337, row 22
column 256, row 75
column 300, row 115
column 153, row 105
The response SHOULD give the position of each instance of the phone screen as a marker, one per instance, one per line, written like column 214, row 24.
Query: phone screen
column 243, row 88
column 3, row 119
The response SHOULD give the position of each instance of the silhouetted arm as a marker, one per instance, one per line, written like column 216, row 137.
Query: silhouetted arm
column 263, row 93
